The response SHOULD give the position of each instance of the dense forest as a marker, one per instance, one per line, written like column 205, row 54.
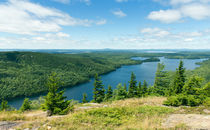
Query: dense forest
column 25, row 73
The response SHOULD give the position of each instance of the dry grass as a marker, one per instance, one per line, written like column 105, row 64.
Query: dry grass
column 143, row 113
column 152, row 101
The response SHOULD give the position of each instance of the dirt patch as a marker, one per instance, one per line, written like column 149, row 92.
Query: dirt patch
column 90, row 106
column 4, row 125
column 193, row 121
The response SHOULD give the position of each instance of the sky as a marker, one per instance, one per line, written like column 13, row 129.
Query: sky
column 100, row 24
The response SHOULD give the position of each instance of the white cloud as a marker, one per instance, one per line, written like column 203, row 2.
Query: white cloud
column 188, row 39
column 155, row 32
column 24, row 17
column 175, row 2
column 158, row 38
column 119, row 13
column 61, row 34
column 195, row 9
column 165, row 16
column 101, row 22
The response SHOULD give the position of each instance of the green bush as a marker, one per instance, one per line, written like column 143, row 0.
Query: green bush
column 184, row 100
column 26, row 105
column 207, row 102
column 172, row 101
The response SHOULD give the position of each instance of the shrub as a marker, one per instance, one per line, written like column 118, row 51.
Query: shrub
column 172, row 101
column 4, row 106
column 185, row 100
column 207, row 102
column 26, row 105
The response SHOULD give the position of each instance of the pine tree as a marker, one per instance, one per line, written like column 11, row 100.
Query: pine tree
column 144, row 88
column 109, row 93
column 125, row 90
column 139, row 92
column 193, row 86
column 84, row 99
column 26, row 105
column 179, row 80
column 98, row 90
column 55, row 102
column 206, row 89
column 161, row 84
column 4, row 106
column 120, row 92
column 132, row 90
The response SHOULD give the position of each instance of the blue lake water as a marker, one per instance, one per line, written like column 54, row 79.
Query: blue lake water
column 145, row 71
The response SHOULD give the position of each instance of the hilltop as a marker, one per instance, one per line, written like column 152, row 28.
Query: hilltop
column 134, row 113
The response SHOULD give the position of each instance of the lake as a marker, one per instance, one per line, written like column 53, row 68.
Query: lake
column 145, row 71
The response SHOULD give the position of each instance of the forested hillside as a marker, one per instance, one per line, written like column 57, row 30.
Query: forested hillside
column 202, row 71
column 25, row 73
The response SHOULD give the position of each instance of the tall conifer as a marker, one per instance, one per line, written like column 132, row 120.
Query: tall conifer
column 132, row 90
column 98, row 90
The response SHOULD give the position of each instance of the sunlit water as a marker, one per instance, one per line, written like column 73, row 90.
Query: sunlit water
column 145, row 71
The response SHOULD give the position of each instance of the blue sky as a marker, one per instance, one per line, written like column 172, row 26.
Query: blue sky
column 98, row 24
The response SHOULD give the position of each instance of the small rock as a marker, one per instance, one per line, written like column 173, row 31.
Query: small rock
column 49, row 127
column 206, row 111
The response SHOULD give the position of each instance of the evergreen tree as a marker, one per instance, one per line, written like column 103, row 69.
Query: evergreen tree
column 144, row 88
column 193, row 86
column 161, row 84
column 206, row 89
column 120, row 92
column 26, row 105
column 179, row 80
column 132, row 90
column 84, row 99
column 55, row 102
column 109, row 93
column 125, row 90
column 98, row 90
column 4, row 106
column 139, row 92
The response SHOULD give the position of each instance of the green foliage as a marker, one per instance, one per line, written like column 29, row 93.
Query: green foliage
column 144, row 89
column 98, row 90
column 207, row 102
column 184, row 100
column 55, row 102
column 132, row 90
column 26, row 73
column 161, row 84
column 139, row 90
column 118, row 115
column 26, row 105
column 206, row 89
column 120, row 93
column 4, row 106
column 202, row 71
column 193, row 94
column 193, row 86
column 84, row 98
column 37, row 104
column 108, row 94
column 179, row 80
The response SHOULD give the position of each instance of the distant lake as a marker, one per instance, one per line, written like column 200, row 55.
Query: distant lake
column 145, row 71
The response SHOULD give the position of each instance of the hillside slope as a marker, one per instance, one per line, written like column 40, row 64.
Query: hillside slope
column 136, row 113
column 25, row 73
